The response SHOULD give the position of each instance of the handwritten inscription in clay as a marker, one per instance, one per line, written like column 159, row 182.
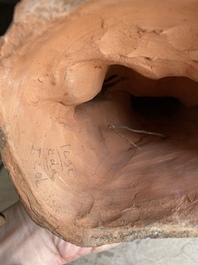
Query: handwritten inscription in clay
column 57, row 163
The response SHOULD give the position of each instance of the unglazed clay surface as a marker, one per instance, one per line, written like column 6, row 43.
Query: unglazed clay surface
column 66, row 87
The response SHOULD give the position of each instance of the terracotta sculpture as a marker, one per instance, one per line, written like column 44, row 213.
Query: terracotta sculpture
column 99, row 117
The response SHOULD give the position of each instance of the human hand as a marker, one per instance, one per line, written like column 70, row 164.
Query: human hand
column 24, row 242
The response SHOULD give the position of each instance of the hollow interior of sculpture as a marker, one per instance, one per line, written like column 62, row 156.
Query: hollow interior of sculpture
column 160, row 105
column 151, row 100
column 148, row 135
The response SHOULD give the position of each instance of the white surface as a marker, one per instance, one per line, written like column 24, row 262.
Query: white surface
column 147, row 252
column 139, row 252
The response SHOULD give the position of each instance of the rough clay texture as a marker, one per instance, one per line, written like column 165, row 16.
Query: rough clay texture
column 2, row 220
column 75, row 175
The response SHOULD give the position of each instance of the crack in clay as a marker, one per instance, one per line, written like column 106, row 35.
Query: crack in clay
column 148, row 31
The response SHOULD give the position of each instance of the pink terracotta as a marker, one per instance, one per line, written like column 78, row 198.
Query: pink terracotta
column 67, row 77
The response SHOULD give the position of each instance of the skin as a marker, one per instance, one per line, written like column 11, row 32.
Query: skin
column 24, row 242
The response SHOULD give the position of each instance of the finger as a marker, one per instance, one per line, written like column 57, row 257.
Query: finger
column 104, row 247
